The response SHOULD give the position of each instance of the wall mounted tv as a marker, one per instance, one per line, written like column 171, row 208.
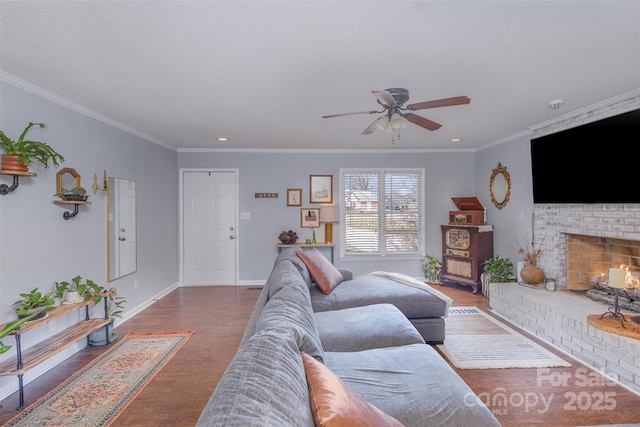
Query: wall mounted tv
column 598, row 162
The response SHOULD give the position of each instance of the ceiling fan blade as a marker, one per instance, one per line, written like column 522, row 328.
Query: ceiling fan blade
column 350, row 114
column 370, row 128
column 384, row 97
column 445, row 102
column 421, row 121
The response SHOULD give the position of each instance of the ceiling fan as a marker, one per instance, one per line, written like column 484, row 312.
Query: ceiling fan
column 395, row 118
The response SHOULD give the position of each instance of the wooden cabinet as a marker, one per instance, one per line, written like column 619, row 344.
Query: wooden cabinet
column 464, row 249
column 32, row 356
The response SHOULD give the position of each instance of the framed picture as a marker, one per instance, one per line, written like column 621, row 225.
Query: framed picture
column 294, row 196
column 310, row 217
column 321, row 188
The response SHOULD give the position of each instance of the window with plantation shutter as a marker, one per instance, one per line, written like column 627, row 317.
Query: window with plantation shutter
column 382, row 212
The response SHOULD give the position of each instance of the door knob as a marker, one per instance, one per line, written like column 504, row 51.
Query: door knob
column 122, row 239
column 232, row 237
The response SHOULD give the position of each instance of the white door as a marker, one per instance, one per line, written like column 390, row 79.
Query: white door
column 209, row 227
column 125, row 223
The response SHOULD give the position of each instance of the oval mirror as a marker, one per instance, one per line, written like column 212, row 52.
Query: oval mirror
column 121, row 228
column 500, row 186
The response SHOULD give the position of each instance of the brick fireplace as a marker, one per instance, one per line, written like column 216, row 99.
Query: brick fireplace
column 583, row 241
column 579, row 241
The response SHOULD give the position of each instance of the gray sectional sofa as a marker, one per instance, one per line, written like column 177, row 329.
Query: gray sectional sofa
column 341, row 365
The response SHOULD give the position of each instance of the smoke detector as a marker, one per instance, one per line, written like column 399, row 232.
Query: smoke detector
column 556, row 103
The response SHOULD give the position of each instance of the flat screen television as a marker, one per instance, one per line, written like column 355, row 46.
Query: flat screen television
column 598, row 162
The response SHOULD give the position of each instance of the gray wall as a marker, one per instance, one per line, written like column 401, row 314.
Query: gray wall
column 38, row 247
column 515, row 220
column 447, row 175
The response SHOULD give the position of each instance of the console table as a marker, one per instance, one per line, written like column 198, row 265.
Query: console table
column 308, row 245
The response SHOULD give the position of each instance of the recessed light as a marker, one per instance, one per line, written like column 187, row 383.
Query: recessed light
column 222, row 139
column 455, row 139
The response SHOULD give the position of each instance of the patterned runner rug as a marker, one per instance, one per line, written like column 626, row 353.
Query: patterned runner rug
column 475, row 340
column 99, row 392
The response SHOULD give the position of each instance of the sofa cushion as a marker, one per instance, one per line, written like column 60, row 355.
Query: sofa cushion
column 325, row 274
column 334, row 404
column 369, row 289
column 413, row 384
column 264, row 385
column 361, row 328
column 290, row 308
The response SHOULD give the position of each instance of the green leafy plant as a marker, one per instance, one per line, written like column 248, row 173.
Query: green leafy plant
column 88, row 289
column 34, row 300
column 115, row 303
column 10, row 327
column 499, row 270
column 76, row 191
column 28, row 151
column 431, row 267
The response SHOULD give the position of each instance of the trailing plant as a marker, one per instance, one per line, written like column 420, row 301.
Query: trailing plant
column 499, row 270
column 88, row 290
column 10, row 327
column 34, row 300
column 431, row 267
column 28, row 151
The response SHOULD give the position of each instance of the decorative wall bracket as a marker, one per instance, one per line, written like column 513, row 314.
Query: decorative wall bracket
column 5, row 189
column 68, row 214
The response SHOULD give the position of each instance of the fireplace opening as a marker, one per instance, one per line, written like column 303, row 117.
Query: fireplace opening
column 588, row 261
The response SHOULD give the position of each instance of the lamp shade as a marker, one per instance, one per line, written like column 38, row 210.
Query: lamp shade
column 329, row 214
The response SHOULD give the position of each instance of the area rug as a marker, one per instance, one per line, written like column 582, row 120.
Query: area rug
column 475, row 340
column 99, row 392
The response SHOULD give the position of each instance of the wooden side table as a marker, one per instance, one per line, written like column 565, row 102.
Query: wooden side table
column 280, row 246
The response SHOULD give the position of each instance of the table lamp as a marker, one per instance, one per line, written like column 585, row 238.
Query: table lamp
column 328, row 215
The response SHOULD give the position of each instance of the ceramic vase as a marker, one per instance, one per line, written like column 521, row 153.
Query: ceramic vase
column 532, row 274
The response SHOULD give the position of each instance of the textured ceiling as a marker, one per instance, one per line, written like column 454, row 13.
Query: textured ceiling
column 181, row 73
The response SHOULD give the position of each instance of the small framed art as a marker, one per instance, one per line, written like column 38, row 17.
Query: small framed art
column 321, row 188
column 294, row 196
column 310, row 217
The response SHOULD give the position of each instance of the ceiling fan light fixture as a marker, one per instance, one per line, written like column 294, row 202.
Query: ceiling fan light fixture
column 397, row 121
column 382, row 122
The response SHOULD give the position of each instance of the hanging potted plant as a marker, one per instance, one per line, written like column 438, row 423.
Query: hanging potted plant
column 432, row 267
column 20, row 153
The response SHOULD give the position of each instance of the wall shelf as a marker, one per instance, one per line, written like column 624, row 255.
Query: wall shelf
column 4, row 188
column 68, row 214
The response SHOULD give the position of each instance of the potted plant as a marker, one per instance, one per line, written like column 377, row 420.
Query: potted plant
column 498, row 270
column 78, row 194
column 19, row 154
column 115, row 307
column 34, row 302
column 77, row 290
column 432, row 267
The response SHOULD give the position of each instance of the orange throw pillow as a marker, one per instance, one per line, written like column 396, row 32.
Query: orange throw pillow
column 325, row 274
column 334, row 404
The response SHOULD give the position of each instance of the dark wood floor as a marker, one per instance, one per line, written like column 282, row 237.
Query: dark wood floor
column 177, row 395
